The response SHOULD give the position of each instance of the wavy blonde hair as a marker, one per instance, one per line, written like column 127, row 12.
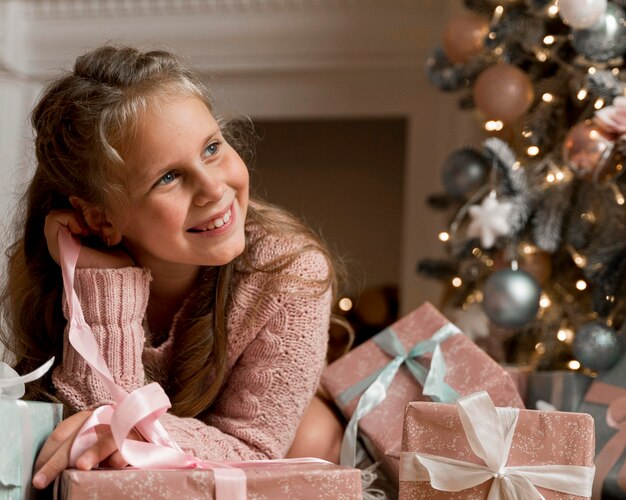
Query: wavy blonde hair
column 82, row 122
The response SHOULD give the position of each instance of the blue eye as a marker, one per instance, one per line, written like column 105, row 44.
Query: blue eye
column 167, row 178
column 211, row 149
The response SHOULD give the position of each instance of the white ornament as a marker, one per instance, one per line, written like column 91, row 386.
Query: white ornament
column 581, row 14
column 489, row 220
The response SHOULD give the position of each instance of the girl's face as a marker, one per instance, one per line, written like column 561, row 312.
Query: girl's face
column 187, row 190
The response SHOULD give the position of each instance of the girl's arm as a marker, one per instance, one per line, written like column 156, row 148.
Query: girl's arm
column 269, row 388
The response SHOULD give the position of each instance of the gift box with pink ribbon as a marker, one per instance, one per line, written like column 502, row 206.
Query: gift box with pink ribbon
column 422, row 356
column 606, row 402
column 473, row 450
column 288, row 482
column 24, row 427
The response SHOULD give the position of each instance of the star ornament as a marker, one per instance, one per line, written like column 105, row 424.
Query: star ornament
column 490, row 219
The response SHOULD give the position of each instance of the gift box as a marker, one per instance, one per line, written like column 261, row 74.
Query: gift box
column 24, row 427
column 519, row 374
column 420, row 357
column 472, row 450
column 264, row 482
column 563, row 389
column 606, row 402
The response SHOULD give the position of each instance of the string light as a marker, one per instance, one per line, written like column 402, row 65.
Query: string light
column 579, row 260
column 444, row 236
column 540, row 348
column 582, row 94
column 581, row 285
column 532, row 151
column 548, row 40
column 573, row 365
column 553, row 10
column 345, row 304
column 545, row 301
column 494, row 125
column 565, row 335
column 592, row 70
column 547, row 97
column 599, row 104
column 541, row 56
column 457, row 282
column 550, row 178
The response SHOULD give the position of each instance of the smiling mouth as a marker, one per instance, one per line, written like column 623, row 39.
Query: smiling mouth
column 213, row 224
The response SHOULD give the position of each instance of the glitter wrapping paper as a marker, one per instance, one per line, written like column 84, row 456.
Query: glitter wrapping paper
column 282, row 482
column 540, row 438
column 469, row 369
column 23, row 431
column 564, row 389
column 612, row 487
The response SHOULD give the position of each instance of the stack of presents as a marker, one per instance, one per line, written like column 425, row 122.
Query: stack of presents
column 435, row 414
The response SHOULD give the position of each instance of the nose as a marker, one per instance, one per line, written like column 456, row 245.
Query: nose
column 208, row 187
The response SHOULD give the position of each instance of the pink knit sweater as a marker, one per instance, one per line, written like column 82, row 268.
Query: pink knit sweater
column 277, row 338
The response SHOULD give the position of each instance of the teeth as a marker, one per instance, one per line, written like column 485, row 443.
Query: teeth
column 216, row 223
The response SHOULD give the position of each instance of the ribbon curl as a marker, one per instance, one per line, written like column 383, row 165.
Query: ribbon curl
column 615, row 398
column 374, row 387
column 141, row 408
column 490, row 434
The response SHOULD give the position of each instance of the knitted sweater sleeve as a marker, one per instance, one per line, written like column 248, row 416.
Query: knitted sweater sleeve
column 114, row 303
column 272, row 382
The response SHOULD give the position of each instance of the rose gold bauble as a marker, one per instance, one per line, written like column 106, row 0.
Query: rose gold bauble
column 503, row 92
column 464, row 37
column 586, row 149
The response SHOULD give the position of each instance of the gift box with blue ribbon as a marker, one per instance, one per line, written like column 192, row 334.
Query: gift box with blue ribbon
column 24, row 427
column 422, row 356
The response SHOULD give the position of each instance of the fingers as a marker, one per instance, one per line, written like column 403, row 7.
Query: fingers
column 58, row 219
column 55, row 453
column 104, row 447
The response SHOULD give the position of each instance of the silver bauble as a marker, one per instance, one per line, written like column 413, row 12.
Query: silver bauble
column 596, row 346
column 463, row 172
column 606, row 39
column 511, row 298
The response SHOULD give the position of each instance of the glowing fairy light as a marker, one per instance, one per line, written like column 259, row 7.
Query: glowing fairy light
column 547, row 97
column 444, row 236
column 548, row 40
column 345, row 304
column 573, row 365
column 551, row 178
column 545, row 301
column 553, row 10
column 582, row 94
column 457, row 282
column 592, row 70
column 494, row 125
column 532, row 151
column 599, row 104
column 540, row 348
column 565, row 335
column 581, row 285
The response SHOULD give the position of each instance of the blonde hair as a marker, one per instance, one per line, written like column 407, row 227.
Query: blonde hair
column 82, row 122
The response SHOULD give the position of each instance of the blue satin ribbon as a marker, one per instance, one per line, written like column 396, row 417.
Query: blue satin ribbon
column 374, row 387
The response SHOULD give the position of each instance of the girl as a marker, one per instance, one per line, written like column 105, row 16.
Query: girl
column 184, row 280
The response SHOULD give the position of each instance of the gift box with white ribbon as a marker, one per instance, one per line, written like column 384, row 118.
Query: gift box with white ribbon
column 422, row 356
column 473, row 450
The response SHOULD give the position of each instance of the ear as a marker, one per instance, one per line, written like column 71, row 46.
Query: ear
column 97, row 221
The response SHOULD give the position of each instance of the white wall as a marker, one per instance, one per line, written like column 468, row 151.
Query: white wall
column 271, row 59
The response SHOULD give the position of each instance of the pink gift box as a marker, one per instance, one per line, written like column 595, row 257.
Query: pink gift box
column 270, row 482
column 468, row 369
column 540, row 438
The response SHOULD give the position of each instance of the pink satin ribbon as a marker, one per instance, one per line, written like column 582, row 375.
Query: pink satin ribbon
column 141, row 408
column 615, row 398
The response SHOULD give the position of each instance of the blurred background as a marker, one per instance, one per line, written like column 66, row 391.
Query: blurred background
column 351, row 133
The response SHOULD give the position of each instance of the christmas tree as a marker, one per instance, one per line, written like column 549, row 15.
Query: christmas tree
column 536, row 245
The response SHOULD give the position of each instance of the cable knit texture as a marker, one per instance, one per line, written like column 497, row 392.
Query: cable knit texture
column 277, row 338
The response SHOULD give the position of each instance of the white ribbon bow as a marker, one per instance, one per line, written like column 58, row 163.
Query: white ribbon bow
column 12, row 384
column 490, row 431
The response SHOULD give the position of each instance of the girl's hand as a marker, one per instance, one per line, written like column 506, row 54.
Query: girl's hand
column 72, row 220
column 54, row 457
